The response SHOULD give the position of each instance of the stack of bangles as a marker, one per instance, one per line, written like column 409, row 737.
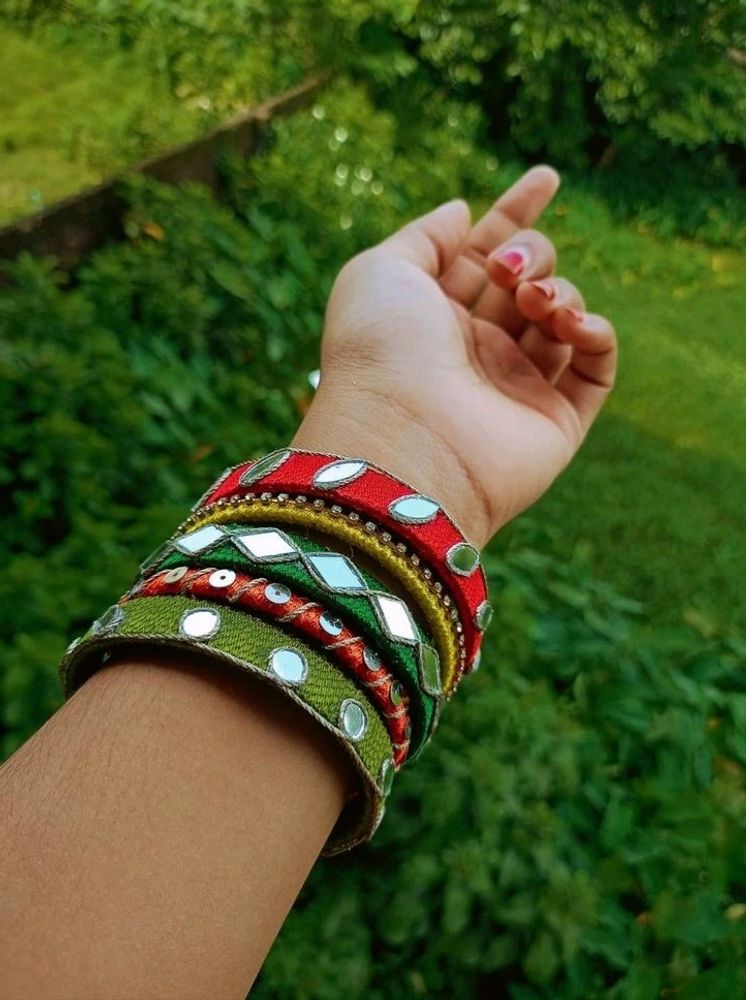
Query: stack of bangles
column 332, row 580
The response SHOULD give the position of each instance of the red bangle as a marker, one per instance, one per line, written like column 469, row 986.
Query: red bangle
column 308, row 617
column 418, row 520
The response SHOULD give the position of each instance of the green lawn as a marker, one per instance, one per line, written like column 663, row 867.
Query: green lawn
column 72, row 112
column 659, row 488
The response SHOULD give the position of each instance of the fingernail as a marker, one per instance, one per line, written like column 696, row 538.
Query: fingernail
column 545, row 287
column 512, row 259
column 576, row 314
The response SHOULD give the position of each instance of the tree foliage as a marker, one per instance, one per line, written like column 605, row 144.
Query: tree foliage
column 651, row 96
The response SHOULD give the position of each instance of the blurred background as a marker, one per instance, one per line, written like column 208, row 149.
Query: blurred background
column 577, row 829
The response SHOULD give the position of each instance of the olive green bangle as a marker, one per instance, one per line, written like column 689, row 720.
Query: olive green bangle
column 408, row 661
column 254, row 645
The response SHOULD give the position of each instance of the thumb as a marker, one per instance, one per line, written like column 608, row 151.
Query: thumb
column 432, row 241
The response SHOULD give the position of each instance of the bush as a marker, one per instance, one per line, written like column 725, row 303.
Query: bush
column 574, row 832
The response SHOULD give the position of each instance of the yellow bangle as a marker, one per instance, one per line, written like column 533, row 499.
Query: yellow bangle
column 442, row 621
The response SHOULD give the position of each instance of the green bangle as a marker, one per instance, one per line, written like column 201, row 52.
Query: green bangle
column 254, row 645
column 408, row 661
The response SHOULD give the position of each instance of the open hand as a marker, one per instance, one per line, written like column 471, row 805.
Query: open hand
column 453, row 357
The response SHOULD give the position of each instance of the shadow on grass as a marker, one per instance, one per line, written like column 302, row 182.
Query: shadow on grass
column 666, row 525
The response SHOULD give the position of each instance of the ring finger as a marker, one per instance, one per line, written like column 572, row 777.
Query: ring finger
column 538, row 301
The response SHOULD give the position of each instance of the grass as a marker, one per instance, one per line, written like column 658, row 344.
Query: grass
column 658, row 489
column 72, row 111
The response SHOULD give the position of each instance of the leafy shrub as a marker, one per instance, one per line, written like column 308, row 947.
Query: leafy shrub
column 575, row 831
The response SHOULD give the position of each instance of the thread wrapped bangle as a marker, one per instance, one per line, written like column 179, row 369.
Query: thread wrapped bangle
column 375, row 493
column 374, row 669
column 297, row 562
column 260, row 648
column 442, row 620
column 311, row 619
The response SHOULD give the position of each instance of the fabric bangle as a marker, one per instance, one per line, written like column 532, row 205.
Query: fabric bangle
column 410, row 662
column 259, row 596
column 375, row 493
column 446, row 630
column 257, row 647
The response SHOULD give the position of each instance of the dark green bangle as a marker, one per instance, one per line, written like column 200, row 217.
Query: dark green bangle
column 407, row 659
column 255, row 646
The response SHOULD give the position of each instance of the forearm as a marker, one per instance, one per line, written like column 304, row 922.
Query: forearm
column 156, row 831
column 159, row 827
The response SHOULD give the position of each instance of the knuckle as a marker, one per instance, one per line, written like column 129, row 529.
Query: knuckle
column 540, row 241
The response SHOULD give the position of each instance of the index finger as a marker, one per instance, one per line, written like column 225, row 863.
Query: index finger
column 517, row 208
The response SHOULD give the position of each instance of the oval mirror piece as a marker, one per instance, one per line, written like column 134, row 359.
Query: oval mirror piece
column 338, row 474
column 414, row 509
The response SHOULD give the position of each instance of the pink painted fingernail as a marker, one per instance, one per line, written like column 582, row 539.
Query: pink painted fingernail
column 512, row 259
column 545, row 287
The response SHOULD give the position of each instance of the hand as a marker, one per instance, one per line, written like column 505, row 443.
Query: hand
column 452, row 358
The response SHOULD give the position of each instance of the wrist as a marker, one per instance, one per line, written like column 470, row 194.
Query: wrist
column 364, row 423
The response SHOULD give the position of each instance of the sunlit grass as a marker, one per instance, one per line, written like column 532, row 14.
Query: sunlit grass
column 659, row 488
column 72, row 113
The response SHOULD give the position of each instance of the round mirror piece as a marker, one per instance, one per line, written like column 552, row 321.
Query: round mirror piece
column 288, row 665
column 277, row 593
column 414, row 509
column 483, row 616
column 270, row 463
column 371, row 659
column 397, row 693
column 330, row 624
column 200, row 623
column 338, row 474
column 222, row 578
column 175, row 574
column 353, row 719
column 462, row 558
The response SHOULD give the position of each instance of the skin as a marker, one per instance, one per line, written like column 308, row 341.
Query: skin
column 157, row 829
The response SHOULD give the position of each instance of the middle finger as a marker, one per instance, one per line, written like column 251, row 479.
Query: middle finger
column 527, row 255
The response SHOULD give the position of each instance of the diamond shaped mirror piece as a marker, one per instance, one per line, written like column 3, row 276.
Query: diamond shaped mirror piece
column 199, row 540
column 395, row 618
column 265, row 545
column 429, row 663
column 336, row 572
